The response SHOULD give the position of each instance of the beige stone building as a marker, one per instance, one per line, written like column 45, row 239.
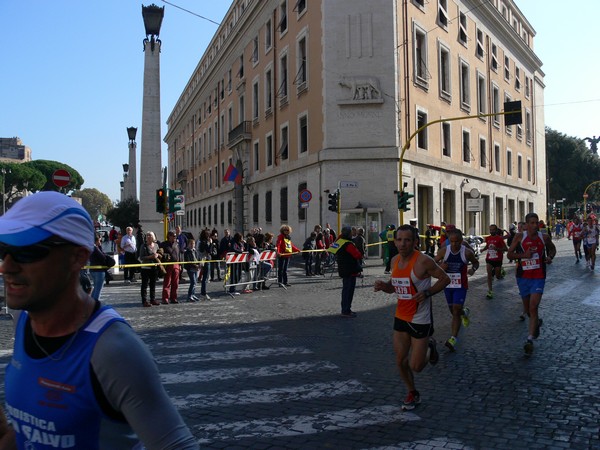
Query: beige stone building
column 314, row 95
column 12, row 150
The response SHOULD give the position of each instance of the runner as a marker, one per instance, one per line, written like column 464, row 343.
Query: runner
column 538, row 251
column 454, row 260
column 413, row 323
column 590, row 242
column 575, row 232
column 495, row 247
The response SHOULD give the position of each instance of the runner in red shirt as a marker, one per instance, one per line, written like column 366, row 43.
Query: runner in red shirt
column 575, row 232
column 495, row 247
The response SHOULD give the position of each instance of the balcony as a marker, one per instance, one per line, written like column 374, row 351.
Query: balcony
column 243, row 132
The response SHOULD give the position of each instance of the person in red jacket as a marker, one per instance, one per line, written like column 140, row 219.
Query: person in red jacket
column 285, row 249
column 495, row 247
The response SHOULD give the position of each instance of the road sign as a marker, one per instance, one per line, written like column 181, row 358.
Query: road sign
column 348, row 184
column 304, row 205
column 305, row 196
column 474, row 204
column 61, row 177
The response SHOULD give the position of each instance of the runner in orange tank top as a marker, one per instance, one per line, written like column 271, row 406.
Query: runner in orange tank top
column 413, row 323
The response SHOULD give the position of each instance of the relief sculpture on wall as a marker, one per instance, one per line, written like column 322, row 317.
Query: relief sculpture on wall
column 362, row 89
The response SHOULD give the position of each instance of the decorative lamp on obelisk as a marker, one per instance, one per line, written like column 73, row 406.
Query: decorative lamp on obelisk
column 150, row 153
column 131, row 182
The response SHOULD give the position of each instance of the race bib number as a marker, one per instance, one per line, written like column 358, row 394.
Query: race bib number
column 455, row 281
column 492, row 254
column 402, row 288
column 590, row 240
column 531, row 263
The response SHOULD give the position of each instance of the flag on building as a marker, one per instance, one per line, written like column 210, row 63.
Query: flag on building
column 232, row 174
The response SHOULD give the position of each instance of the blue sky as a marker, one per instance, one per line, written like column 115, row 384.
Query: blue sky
column 71, row 76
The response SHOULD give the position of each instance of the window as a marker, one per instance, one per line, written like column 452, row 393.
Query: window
column 229, row 211
column 528, row 135
column 300, row 80
column 283, row 24
column 529, row 170
column 255, row 155
column 255, row 101
column 241, row 70
column 303, row 134
column 204, row 216
column 481, row 95
column 446, row 139
column 497, row 157
column 444, row 72
column 419, row 3
column 466, row 146
column 479, row 49
column 442, row 17
column 462, row 29
column 283, row 204
column 508, row 162
column 422, row 135
column 527, row 86
column 517, row 78
column 283, row 87
column 465, row 86
column 254, row 57
column 215, row 213
column 420, row 56
column 482, row 152
column 508, row 129
column 229, row 77
column 300, row 6
column 255, row 208
column 506, row 68
column 519, row 166
column 519, row 132
column 269, row 206
column 210, row 141
column 222, row 213
column 209, row 215
column 242, row 107
column 496, row 104
column 210, row 185
column 269, row 150
column 268, row 35
column 495, row 64
column 283, row 151
column 268, row 91
column 301, row 211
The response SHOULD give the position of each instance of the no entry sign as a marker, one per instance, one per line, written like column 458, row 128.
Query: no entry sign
column 61, row 177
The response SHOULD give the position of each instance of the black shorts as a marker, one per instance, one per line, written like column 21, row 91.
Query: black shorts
column 416, row 330
column 494, row 263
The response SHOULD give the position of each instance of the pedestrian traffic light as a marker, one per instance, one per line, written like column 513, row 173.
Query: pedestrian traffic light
column 334, row 201
column 404, row 200
column 175, row 200
column 161, row 201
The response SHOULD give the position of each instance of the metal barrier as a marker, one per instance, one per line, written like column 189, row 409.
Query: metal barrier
column 235, row 275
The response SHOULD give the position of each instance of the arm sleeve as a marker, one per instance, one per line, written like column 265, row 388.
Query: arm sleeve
column 131, row 383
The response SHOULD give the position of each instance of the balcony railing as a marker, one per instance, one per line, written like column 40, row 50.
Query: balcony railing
column 243, row 132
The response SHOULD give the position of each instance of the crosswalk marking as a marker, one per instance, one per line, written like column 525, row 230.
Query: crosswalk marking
column 212, row 342
column 198, row 376
column 273, row 395
column 232, row 355
column 302, row 424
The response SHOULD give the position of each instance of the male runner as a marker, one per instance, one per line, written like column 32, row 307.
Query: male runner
column 538, row 250
column 575, row 232
column 454, row 259
column 496, row 247
column 413, row 323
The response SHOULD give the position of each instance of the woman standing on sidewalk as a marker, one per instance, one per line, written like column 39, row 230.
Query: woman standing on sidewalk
column 149, row 254
column 285, row 248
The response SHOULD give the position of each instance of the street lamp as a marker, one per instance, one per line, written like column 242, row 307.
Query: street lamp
column 153, row 17
column 131, row 132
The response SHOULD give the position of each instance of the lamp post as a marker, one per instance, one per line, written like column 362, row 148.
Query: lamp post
column 4, row 171
column 125, row 184
column 585, row 197
column 131, row 173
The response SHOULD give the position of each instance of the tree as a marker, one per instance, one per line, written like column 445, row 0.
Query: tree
column 47, row 168
column 125, row 213
column 19, row 178
column 94, row 201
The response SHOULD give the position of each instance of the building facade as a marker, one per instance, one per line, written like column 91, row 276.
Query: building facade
column 314, row 96
column 12, row 150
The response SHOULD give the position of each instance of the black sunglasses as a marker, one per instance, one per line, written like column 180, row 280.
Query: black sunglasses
column 29, row 253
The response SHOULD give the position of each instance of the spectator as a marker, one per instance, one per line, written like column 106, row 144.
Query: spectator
column 112, row 237
column 214, row 256
column 285, row 248
column 149, row 254
column 204, row 254
column 172, row 257
column 308, row 251
column 190, row 256
column 361, row 244
column 129, row 246
column 99, row 261
column 348, row 261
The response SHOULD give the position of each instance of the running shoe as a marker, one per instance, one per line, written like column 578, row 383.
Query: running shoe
column 411, row 401
column 537, row 329
column 528, row 347
column 465, row 317
column 490, row 295
column 451, row 343
column 434, row 356
column 502, row 272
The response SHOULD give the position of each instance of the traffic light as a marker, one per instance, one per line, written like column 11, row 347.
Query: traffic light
column 404, row 200
column 513, row 113
column 334, row 201
column 175, row 200
column 161, row 201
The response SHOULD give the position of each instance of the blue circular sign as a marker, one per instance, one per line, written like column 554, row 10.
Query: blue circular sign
column 305, row 195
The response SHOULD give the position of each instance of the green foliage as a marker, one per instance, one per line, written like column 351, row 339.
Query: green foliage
column 125, row 213
column 94, row 201
column 47, row 168
column 571, row 168
column 20, row 178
